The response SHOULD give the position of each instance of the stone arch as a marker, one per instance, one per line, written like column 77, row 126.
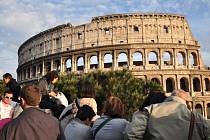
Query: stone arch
column 207, row 84
column 94, row 62
column 196, row 85
column 34, row 71
column 80, row 63
column 156, row 80
column 193, row 59
column 184, row 84
column 153, row 57
column 57, row 65
column 170, row 85
column 68, row 64
column 108, row 60
column 48, row 66
column 167, row 58
column 181, row 57
column 40, row 69
column 122, row 59
column 208, row 110
column 28, row 73
column 198, row 108
column 137, row 59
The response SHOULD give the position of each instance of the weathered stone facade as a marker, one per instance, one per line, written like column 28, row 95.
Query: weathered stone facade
column 154, row 46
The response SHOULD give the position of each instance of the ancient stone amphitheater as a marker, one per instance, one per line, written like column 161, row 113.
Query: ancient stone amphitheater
column 154, row 46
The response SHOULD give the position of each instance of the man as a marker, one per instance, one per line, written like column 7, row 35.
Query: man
column 169, row 120
column 78, row 128
column 12, row 85
column 32, row 123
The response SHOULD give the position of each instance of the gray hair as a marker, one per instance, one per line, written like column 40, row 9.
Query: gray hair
column 177, row 92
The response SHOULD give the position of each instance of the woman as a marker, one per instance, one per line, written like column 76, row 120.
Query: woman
column 111, row 125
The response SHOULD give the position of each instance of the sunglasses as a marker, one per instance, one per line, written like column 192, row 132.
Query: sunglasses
column 9, row 97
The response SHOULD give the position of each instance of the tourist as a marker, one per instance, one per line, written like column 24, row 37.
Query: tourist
column 78, row 128
column 12, row 85
column 85, row 96
column 170, row 120
column 111, row 125
column 32, row 123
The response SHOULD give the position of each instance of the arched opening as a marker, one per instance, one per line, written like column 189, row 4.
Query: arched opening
column 28, row 73
column 39, row 72
column 193, row 59
column 80, row 63
column 184, row 84
column 68, row 65
column 156, row 80
column 122, row 60
column 169, row 85
column 137, row 59
column 167, row 58
column 196, row 85
column 152, row 57
column 34, row 71
column 198, row 108
column 207, row 83
column 93, row 62
column 107, row 60
column 181, row 58
column 57, row 65
column 48, row 67
column 208, row 111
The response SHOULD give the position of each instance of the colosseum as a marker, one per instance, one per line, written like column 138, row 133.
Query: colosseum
column 153, row 46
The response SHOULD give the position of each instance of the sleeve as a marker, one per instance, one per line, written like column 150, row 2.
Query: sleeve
column 136, row 129
column 203, row 126
column 61, row 136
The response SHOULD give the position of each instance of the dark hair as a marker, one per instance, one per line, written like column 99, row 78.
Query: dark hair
column 114, row 107
column 85, row 112
column 7, row 75
column 153, row 97
column 31, row 94
column 50, row 76
column 85, row 89
column 7, row 91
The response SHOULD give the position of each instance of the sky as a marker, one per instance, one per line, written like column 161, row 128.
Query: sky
column 21, row 19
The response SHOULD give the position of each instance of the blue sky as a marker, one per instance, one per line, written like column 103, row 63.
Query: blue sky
column 21, row 19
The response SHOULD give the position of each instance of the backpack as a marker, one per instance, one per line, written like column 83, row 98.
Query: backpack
column 69, row 113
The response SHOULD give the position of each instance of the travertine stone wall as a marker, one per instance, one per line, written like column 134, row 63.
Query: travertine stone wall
column 154, row 46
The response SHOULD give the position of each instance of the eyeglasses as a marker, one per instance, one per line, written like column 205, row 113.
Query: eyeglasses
column 9, row 97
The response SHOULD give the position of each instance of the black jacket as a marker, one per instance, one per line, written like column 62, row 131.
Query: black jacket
column 15, row 88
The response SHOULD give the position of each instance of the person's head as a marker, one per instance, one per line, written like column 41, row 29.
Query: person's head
column 153, row 97
column 30, row 96
column 7, row 77
column 181, row 94
column 7, row 97
column 85, row 114
column 114, row 107
column 51, row 77
column 85, row 89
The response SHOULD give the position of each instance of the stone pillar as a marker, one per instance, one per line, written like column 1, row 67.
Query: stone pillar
column 130, row 59
column 52, row 65
column 201, row 85
column 205, row 110
column 174, row 57
column 73, row 63
column 114, row 60
column 145, row 59
column 160, row 60
column 86, row 63
column 43, row 68
column 61, row 65
column 187, row 60
column 100, row 61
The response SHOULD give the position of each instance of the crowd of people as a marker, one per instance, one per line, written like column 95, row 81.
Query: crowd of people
column 41, row 112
